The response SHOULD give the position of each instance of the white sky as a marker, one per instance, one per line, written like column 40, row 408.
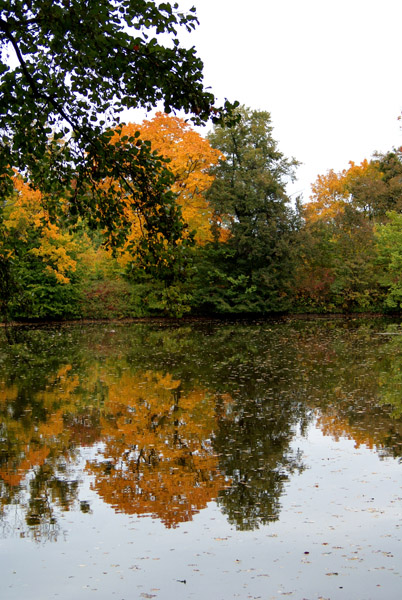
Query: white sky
column 329, row 72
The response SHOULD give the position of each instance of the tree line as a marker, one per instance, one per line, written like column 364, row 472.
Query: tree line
column 104, row 219
column 240, row 246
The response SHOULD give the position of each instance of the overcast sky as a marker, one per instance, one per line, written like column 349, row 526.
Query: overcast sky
column 329, row 72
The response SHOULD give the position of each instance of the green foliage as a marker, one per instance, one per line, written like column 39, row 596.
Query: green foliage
column 254, row 269
column 42, row 296
column 337, row 269
column 314, row 269
column 167, row 300
column 354, row 287
column 389, row 247
column 119, row 299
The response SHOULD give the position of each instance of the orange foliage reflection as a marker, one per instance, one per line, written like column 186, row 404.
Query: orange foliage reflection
column 29, row 442
column 158, row 457
column 337, row 426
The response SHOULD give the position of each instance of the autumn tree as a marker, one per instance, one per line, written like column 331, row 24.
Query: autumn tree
column 337, row 263
column 333, row 192
column 69, row 68
column 328, row 198
column 41, row 257
column 372, row 188
column 190, row 159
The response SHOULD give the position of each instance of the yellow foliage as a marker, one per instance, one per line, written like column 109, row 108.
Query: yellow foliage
column 53, row 250
column 332, row 192
column 328, row 199
column 356, row 172
column 25, row 214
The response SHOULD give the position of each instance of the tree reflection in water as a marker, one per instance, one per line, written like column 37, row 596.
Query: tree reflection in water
column 183, row 415
column 158, row 457
column 253, row 443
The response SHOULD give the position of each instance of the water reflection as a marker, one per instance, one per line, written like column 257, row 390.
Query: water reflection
column 157, row 456
column 179, row 415
column 253, row 442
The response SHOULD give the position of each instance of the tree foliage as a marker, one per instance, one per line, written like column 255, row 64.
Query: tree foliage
column 55, row 260
column 371, row 188
column 190, row 158
column 69, row 68
column 38, row 256
column 249, row 197
column 389, row 248
column 341, row 257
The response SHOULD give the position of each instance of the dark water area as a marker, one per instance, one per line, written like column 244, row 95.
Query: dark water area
column 185, row 460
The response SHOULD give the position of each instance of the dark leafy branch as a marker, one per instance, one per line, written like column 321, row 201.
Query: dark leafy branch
column 79, row 65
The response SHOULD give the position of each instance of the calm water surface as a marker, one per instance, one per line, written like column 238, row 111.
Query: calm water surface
column 202, row 460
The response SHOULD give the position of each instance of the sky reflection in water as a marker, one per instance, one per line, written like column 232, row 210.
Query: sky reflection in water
column 264, row 456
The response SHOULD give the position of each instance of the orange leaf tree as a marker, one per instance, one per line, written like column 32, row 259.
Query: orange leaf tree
column 189, row 158
column 77, row 66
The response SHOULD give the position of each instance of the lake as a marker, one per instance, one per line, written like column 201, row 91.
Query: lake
column 202, row 459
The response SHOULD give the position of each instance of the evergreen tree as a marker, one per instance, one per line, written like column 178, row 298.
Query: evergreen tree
column 252, row 269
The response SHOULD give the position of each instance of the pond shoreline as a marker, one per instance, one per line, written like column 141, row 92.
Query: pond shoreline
column 203, row 318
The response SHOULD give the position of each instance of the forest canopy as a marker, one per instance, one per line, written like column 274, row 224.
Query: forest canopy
column 243, row 247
